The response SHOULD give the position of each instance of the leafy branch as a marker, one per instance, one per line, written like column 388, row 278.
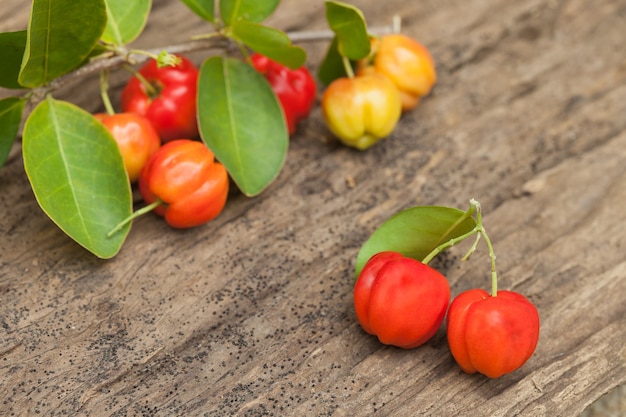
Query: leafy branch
column 114, row 60
column 111, row 60
column 73, row 40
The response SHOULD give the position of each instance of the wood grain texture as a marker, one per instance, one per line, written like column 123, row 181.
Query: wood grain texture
column 251, row 315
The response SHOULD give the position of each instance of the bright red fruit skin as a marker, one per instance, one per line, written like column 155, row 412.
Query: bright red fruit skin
column 492, row 335
column 193, row 186
column 172, row 111
column 400, row 300
column 295, row 89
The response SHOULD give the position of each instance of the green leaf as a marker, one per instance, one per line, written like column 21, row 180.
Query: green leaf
column 250, row 10
column 242, row 122
column 61, row 34
column 270, row 42
column 203, row 8
column 12, row 45
column 349, row 25
column 332, row 66
column 415, row 232
column 125, row 20
column 77, row 174
column 11, row 110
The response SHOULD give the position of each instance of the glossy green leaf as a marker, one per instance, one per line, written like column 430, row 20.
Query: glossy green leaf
column 270, row 42
column 77, row 174
column 350, row 28
column 61, row 34
column 249, row 10
column 203, row 8
column 242, row 122
column 125, row 20
column 415, row 232
column 12, row 45
column 332, row 66
column 11, row 110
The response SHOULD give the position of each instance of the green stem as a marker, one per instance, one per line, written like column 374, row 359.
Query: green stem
column 492, row 254
column 347, row 66
column 447, row 244
column 473, row 248
column 206, row 36
column 453, row 241
column 479, row 231
column 149, row 54
column 149, row 87
column 135, row 214
column 104, row 92
column 494, row 274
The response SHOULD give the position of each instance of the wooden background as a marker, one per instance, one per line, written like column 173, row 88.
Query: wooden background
column 251, row 314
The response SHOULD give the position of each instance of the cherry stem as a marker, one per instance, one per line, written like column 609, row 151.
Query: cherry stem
column 452, row 241
column 479, row 231
column 446, row 245
column 347, row 66
column 104, row 92
column 206, row 36
column 492, row 255
column 151, row 90
column 135, row 215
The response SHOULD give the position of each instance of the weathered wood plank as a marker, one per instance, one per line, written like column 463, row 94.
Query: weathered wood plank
column 252, row 315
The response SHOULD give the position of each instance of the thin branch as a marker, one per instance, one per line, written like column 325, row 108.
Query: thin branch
column 113, row 62
column 327, row 35
column 110, row 62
